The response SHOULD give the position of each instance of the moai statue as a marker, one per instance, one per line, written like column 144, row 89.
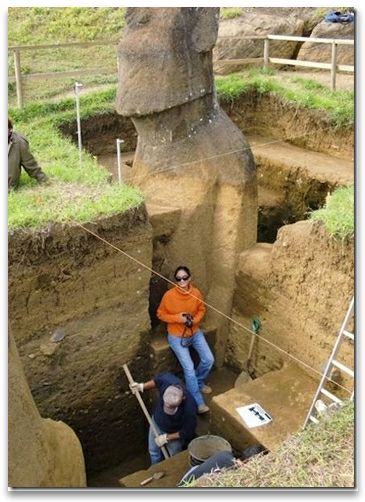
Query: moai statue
column 42, row 453
column 191, row 159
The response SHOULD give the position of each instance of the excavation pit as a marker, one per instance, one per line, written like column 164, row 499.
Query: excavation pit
column 64, row 278
column 295, row 172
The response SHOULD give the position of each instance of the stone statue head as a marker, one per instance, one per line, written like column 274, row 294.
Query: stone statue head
column 165, row 58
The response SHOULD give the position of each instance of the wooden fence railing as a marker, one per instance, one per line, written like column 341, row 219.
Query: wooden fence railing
column 333, row 66
column 265, row 59
column 19, row 77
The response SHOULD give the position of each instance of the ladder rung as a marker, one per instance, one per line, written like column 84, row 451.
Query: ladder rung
column 348, row 334
column 313, row 419
column 342, row 367
column 331, row 396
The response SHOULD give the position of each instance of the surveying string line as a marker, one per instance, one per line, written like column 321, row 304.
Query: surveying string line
column 210, row 306
column 170, row 168
column 329, row 379
column 231, row 152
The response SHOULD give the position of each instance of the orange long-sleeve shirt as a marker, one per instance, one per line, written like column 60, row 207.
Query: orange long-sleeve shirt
column 174, row 302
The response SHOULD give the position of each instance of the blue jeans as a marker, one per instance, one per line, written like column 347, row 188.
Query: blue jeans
column 194, row 378
column 155, row 452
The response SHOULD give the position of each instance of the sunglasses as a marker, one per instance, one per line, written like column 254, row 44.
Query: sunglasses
column 184, row 278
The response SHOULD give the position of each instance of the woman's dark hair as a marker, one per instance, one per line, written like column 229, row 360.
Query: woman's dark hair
column 10, row 124
column 182, row 267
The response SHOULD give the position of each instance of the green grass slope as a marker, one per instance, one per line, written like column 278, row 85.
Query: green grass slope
column 76, row 192
column 321, row 456
column 55, row 25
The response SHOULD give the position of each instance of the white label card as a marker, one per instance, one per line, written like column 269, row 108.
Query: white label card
column 254, row 415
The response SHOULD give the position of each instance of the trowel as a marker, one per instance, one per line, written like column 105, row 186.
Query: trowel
column 155, row 475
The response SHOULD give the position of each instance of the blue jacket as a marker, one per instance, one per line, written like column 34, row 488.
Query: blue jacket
column 185, row 419
column 339, row 17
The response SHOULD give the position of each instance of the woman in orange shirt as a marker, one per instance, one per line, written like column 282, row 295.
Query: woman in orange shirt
column 182, row 308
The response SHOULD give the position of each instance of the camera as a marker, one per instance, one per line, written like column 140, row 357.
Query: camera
column 188, row 320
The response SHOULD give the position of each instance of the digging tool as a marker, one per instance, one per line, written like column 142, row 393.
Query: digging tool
column 155, row 475
column 256, row 325
column 144, row 409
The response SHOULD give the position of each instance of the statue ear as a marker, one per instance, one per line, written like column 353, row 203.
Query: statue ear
column 205, row 31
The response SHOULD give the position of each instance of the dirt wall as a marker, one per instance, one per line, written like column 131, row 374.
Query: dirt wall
column 99, row 133
column 300, row 288
column 253, row 113
column 64, row 278
column 268, row 115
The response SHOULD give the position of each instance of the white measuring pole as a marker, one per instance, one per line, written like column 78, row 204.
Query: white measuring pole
column 119, row 157
column 78, row 86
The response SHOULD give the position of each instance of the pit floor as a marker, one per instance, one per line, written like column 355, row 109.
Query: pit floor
column 220, row 380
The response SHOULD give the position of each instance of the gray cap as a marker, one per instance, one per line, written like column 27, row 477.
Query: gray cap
column 172, row 398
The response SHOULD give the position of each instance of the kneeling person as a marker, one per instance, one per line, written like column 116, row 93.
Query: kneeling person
column 221, row 461
column 174, row 416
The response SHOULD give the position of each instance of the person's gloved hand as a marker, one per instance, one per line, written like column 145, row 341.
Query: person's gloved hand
column 161, row 440
column 136, row 387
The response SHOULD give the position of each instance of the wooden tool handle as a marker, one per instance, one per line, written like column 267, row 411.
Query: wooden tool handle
column 145, row 481
column 144, row 409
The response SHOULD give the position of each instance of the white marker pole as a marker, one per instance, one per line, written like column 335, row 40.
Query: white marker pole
column 119, row 157
column 78, row 85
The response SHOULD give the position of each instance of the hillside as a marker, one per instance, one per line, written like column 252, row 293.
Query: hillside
column 38, row 25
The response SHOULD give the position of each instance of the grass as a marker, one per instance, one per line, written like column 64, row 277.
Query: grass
column 320, row 456
column 339, row 104
column 44, row 25
column 41, row 25
column 58, row 156
column 58, row 112
column 338, row 213
column 80, row 193
column 230, row 12
column 37, row 25
column 40, row 121
column 68, row 202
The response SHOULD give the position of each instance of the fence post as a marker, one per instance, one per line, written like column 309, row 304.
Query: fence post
column 266, row 53
column 18, row 78
column 333, row 65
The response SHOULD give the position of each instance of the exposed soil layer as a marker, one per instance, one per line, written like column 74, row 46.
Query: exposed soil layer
column 282, row 199
column 99, row 133
column 253, row 113
column 65, row 278
column 292, row 182
column 267, row 115
column 290, row 287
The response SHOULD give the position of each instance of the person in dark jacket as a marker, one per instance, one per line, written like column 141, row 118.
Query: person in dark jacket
column 19, row 155
column 221, row 460
column 174, row 415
